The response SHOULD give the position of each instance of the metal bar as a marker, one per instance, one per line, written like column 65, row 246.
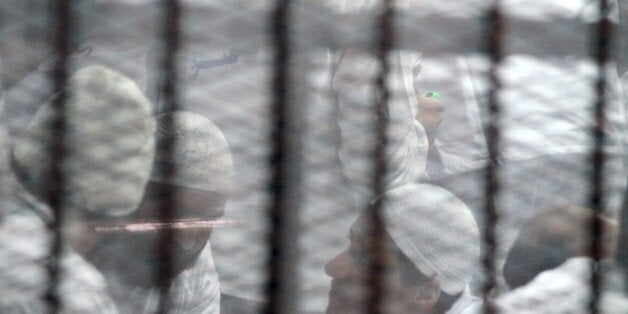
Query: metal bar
column 285, row 162
column 622, row 41
column 378, row 261
column 62, row 18
column 432, row 34
column 185, row 224
column 495, row 41
column 622, row 246
column 168, row 89
column 602, row 54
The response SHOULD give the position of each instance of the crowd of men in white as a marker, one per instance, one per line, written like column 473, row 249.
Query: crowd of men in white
column 117, row 175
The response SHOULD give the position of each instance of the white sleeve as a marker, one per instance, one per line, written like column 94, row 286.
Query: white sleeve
column 460, row 138
column 24, row 240
column 197, row 290
column 564, row 289
column 407, row 141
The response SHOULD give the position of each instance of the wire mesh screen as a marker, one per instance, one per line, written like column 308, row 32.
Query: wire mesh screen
column 305, row 156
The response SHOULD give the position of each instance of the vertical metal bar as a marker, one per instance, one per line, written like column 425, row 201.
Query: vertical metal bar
column 622, row 41
column 378, row 263
column 602, row 54
column 62, row 18
column 168, row 89
column 495, row 38
column 622, row 243
column 285, row 161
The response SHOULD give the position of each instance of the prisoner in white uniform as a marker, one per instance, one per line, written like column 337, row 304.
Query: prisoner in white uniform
column 433, row 244
column 201, row 183
column 108, row 144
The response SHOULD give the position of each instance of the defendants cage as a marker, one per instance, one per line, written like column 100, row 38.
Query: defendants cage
column 198, row 156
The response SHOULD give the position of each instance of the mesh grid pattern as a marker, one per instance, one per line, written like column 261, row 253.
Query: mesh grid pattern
column 225, row 71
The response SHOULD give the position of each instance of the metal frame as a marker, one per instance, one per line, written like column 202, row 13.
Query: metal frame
column 393, row 32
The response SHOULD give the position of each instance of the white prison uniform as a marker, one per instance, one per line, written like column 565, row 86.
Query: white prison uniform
column 546, row 101
column 352, row 81
column 25, row 244
column 565, row 289
column 24, row 252
column 546, row 127
column 195, row 290
column 406, row 151
column 465, row 303
column 546, row 133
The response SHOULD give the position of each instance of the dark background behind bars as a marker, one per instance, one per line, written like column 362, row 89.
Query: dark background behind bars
column 240, row 99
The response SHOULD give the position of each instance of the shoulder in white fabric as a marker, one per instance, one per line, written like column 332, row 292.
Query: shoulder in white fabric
column 564, row 289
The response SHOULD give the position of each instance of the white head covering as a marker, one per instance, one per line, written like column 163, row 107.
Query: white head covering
column 108, row 139
column 436, row 231
column 202, row 158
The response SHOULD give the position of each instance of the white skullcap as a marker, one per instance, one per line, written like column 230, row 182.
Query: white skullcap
column 201, row 158
column 436, row 231
column 108, row 139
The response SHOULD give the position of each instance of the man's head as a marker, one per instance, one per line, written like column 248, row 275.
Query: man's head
column 408, row 290
column 201, row 158
column 108, row 145
column 432, row 243
column 201, row 176
column 552, row 237
column 199, row 187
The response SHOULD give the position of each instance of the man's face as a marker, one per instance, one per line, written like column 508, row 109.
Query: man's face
column 188, row 203
column 136, row 255
column 349, row 289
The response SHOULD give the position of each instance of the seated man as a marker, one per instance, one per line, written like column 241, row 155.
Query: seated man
column 549, row 266
column 108, row 149
column 127, row 249
column 433, row 242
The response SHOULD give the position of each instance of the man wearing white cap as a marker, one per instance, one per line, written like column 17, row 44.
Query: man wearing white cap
column 108, row 143
column 433, row 241
column 549, row 265
column 201, row 183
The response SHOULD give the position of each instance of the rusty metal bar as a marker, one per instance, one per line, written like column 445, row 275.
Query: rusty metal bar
column 285, row 162
column 378, row 262
column 434, row 33
column 602, row 54
column 62, row 19
column 622, row 246
column 495, row 43
column 168, row 89
column 622, row 41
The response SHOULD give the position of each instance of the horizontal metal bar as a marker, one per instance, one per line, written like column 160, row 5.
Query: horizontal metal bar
column 320, row 27
column 176, row 225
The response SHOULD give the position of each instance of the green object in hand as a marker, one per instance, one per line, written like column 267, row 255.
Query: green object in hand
column 433, row 95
